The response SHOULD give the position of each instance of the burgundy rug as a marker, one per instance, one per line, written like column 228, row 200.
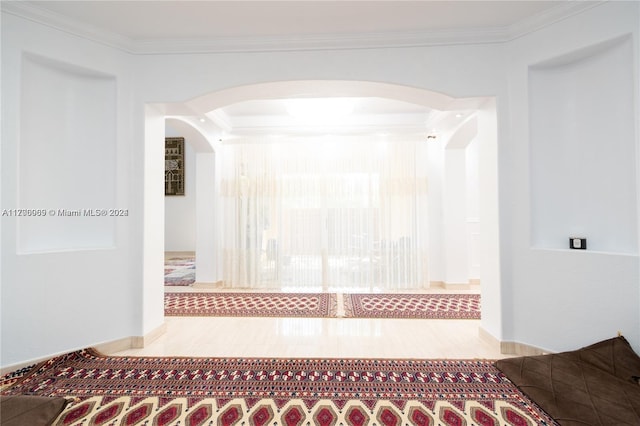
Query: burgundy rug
column 251, row 304
column 291, row 392
column 423, row 306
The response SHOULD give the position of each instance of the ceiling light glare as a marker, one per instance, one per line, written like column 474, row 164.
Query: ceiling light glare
column 320, row 109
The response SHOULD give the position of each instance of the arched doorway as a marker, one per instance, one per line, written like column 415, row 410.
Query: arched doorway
column 198, row 107
column 198, row 220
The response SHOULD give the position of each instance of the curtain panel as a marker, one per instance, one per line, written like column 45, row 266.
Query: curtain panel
column 325, row 215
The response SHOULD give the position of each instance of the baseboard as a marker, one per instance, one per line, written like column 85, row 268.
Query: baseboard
column 489, row 338
column 217, row 284
column 20, row 365
column 521, row 349
column 510, row 348
column 451, row 286
column 113, row 346
column 131, row 342
column 179, row 254
column 140, row 342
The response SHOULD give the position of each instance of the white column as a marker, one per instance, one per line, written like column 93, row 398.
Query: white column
column 153, row 221
column 490, row 275
column 205, row 218
column 455, row 219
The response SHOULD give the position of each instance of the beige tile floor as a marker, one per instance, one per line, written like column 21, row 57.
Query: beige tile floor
column 319, row 337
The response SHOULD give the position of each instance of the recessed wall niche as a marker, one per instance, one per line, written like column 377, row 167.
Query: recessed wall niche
column 66, row 157
column 583, row 149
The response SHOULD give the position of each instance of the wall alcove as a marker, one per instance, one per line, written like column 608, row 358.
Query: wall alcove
column 583, row 173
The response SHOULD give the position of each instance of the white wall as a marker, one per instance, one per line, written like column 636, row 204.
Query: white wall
column 587, row 142
column 435, row 224
column 582, row 119
column 474, row 226
column 460, row 199
column 72, row 116
column 66, row 144
column 456, row 253
column 150, row 132
column 574, row 298
column 493, row 311
column 180, row 211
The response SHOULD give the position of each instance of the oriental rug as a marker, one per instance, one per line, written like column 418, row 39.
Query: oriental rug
column 179, row 272
column 423, row 306
column 109, row 390
column 307, row 305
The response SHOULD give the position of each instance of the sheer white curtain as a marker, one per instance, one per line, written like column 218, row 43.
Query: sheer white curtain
column 320, row 215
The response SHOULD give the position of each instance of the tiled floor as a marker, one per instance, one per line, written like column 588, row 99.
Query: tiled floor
column 319, row 337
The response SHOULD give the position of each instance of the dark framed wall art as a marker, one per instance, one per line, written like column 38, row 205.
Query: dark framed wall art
column 174, row 166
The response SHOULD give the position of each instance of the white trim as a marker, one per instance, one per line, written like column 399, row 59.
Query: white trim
column 564, row 10
column 473, row 282
column 131, row 342
column 62, row 23
column 510, row 348
column 301, row 42
column 521, row 349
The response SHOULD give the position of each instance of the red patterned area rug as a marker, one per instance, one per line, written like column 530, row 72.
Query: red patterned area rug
column 423, row 306
column 289, row 392
column 251, row 304
column 179, row 271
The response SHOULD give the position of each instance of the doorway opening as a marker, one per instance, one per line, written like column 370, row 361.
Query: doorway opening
column 429, row 251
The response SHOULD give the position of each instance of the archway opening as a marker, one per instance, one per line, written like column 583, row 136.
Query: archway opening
column 444, row 124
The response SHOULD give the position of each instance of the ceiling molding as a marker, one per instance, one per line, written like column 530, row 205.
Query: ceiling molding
column 551, row 16
column 304, row 42
column 220, row 119
column 71, row 26
column 353, row 129
column 371, row 138
column 320, row 42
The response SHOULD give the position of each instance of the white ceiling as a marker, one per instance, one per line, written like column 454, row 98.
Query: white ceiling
column 152, row 26
column 370, row 115
column 149, row 20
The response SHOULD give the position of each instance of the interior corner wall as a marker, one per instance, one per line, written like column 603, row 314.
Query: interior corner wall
column 572, row 168
column 180, row 210
column 68, row 280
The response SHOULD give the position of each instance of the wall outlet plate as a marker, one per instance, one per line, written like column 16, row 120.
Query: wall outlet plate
column 577, row 243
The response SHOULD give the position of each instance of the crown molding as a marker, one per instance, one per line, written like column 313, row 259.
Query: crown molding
column 33, row 13
column 47, row 18
column 319, row 42
column 220, row 119
column 310, row 130
column 551, row 16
